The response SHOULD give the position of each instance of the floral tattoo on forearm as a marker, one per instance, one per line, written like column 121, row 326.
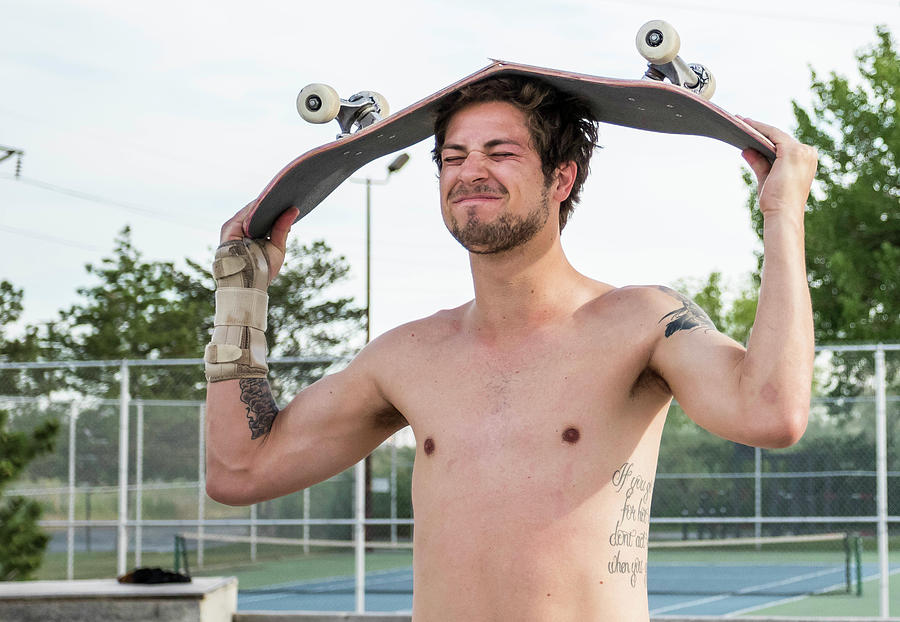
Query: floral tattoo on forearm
column 689, row 317
column 261, row 407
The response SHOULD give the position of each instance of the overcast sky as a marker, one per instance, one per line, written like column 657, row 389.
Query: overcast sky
column 170, row 116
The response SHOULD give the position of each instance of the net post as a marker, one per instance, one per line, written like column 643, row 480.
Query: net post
column 848, row 575
column 177, row 560
column 858, row 557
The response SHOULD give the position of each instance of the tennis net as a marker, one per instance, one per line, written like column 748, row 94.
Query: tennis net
column 766, row 566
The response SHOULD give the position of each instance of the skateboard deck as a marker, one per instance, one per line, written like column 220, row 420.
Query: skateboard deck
column 642, row 104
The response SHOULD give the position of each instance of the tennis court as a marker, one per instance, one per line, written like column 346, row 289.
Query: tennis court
column 709, row 577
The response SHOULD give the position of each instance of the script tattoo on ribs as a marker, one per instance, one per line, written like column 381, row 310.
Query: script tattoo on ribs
column 261, row 407
column 689, row 317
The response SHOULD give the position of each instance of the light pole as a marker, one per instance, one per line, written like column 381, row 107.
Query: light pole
column 364, row 468
column 392, row 168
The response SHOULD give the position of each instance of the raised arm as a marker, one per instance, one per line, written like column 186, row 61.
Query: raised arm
column 256, row 451
column 758, row 396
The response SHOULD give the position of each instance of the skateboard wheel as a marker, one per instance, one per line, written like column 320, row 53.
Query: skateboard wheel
column 382, row 103
column 658, row 42
column 706, row 87
column 318, row 103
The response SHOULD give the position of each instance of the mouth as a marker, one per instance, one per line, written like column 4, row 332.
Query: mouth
column 475, row 198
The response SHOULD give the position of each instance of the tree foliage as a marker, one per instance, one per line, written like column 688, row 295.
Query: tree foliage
column 852, row 217
column 733, row 318
column 853, row 220
column 22, row 542
column 139, row 309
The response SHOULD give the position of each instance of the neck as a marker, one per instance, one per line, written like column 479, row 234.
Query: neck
column 522, row 288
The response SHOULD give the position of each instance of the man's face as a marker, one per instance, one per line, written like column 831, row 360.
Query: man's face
column 493, row 193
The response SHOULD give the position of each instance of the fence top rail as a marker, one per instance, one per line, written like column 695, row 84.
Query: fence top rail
column 319, row 359
column 315, row 360
column 862, row 347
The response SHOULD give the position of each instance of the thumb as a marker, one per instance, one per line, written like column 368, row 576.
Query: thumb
column 758, row 163
column 282, row 226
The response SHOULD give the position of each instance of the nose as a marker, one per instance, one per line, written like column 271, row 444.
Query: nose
column 473, row 167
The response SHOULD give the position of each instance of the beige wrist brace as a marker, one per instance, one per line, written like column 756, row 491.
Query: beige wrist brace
column 238, row 346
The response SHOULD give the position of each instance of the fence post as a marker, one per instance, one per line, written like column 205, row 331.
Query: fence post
column 253, row 532
column 757, row 493
column 881, row 468
column 70, row 529
column 139, row 485
column 394, row 489
column 306, row 520
column 201, row 486
column 124, row 398
column 360, row 535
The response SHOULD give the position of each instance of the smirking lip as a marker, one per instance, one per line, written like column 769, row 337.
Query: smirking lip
column 476, row 197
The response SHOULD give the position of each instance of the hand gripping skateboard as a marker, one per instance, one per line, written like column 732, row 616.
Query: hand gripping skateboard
column 679, row 106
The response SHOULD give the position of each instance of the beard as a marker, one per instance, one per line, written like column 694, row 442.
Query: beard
column 504, row 233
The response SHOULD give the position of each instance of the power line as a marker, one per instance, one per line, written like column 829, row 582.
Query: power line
column 50, row 238
column 86, row 196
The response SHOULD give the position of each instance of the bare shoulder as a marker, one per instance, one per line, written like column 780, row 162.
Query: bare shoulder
column 670, row 310
column 415, row 337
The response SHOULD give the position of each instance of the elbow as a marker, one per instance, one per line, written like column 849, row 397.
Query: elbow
column 226, row 488
column 785, row 427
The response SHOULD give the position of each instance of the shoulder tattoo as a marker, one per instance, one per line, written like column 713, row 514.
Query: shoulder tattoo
column 261, row 407
column 688, row 317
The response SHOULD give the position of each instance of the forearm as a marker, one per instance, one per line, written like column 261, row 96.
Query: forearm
column 240, row 416
column 776, row 374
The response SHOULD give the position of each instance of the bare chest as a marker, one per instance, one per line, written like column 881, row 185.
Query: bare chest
column 524, row 418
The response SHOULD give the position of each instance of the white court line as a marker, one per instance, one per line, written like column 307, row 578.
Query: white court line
column 375, row 578
column 746, row 590
column 796, row 598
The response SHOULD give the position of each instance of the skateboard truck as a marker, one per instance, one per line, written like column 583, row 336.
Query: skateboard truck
column 659, row 43
column 319, row 103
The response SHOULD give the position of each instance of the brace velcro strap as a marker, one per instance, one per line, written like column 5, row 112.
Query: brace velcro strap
column 239, row 306
column 221, row 353
column 226, row 266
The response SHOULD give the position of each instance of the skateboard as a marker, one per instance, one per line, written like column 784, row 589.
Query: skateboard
column 368, row 132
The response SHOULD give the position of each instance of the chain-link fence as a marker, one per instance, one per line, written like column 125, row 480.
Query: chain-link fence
column 128, row 470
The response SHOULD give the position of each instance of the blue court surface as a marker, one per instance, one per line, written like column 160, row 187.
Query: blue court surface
column 718, row 588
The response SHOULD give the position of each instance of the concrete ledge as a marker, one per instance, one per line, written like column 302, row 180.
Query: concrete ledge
column 205, row 599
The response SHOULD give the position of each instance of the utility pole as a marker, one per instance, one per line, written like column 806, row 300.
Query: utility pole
column 8, row 152
column 364, row 472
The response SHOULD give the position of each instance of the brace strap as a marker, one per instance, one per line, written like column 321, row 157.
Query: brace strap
column 238, row 345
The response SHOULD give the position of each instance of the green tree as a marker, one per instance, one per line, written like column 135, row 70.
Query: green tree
column 853, row 220
column 22, row 542
column 733, row 318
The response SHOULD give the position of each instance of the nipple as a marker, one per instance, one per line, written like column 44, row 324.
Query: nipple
column 571, row 435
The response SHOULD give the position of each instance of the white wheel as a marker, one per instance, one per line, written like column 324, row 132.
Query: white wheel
column 381, row 101
column 707, row 86
column 318, row 103
column 658, row 42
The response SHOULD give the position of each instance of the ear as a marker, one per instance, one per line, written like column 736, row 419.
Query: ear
column 565, row 179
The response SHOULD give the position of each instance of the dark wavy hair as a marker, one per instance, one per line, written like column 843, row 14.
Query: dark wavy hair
column 562, row 127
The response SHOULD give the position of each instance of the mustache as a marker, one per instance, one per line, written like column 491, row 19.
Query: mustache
column 463, row 190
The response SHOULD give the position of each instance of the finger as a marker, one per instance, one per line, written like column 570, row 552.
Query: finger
column 234, row 228
column 282, row 226
column 771, row 132
column 758, row 163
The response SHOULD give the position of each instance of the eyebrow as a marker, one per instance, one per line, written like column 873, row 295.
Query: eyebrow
column 488, row 145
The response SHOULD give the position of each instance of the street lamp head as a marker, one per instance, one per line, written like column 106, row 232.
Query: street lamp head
column 398, row 163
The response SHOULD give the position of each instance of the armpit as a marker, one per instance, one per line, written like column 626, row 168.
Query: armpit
column 390, row 418
column 688, row 317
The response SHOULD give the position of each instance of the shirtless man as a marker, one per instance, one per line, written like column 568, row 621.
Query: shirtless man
column 538, row 406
